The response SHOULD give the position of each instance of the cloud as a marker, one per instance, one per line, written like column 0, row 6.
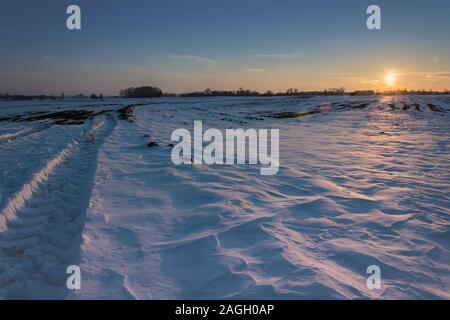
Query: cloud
column 372, row 82
column 179, row 58
column 29, row 75
column 277, row 56
column 254, row 70
column 438, row 75
column 426, row 75
column 343, row 41
column 435, row 76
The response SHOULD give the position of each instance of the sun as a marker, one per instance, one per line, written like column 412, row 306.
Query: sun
column 390, row 79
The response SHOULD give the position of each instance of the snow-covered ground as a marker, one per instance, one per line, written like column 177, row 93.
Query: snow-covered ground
column 362, row 181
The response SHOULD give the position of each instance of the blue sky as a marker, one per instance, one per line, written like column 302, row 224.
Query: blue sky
column 191, row 45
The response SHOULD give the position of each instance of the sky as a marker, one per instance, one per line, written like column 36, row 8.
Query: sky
column 183, row 46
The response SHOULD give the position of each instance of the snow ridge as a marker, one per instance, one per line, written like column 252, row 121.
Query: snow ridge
column 8, row 137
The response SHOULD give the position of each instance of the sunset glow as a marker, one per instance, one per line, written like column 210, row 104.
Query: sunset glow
column 390, row 79
column 182, row 53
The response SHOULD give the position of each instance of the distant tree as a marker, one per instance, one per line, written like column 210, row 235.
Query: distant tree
column 141, row 92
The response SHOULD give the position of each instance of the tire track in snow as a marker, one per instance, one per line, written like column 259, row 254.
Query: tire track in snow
column 22, row 157
column 8, row 137
column 41, row 225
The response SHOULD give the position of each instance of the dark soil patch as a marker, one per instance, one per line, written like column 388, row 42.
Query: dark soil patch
column 290, row 115
column 126, row 113
column 66, row 117
column 152, row 144
column 435, row 108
